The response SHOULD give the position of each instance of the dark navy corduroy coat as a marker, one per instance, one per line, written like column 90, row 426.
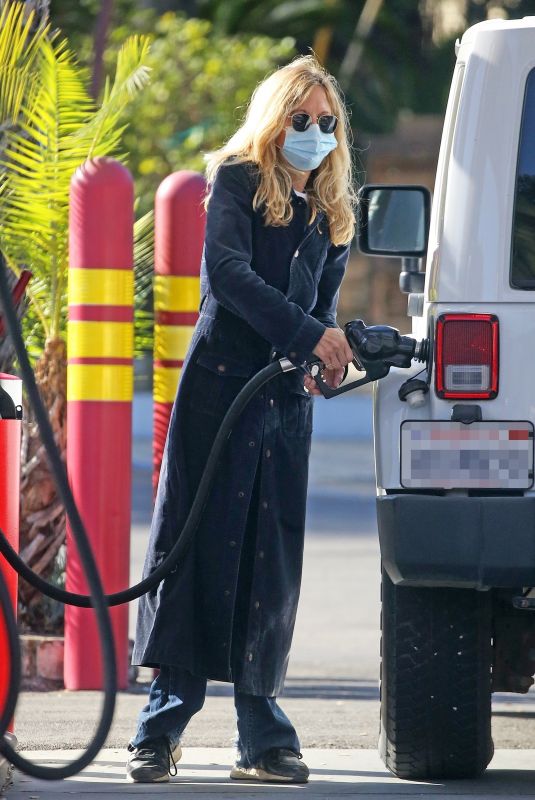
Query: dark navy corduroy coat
column 227, row 612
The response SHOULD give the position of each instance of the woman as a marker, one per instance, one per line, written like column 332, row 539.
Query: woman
column 279, row 222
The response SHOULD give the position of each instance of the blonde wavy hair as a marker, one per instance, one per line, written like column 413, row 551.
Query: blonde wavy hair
column 330, row 186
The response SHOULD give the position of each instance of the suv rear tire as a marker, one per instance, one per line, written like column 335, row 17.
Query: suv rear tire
column 435, row 681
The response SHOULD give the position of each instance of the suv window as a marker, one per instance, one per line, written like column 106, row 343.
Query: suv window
column 523, row 258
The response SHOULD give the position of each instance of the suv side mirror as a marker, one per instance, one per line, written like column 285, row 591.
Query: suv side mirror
column 394, row 220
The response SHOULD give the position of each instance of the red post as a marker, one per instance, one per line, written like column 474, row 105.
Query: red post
column 10, row 433
column 179, row 223
column 99, row 403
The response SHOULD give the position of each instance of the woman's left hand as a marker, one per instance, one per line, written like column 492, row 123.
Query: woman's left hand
column 333, row 377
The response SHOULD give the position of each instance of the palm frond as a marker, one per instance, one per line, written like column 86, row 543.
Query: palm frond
column 33, row 291
column 19, row 54
column 34, row 201
column 59, row 128
column 143, row 278
column 144, row 254
column 131, row 76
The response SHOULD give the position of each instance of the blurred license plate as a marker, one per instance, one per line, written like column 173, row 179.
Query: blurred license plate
column 452, row 455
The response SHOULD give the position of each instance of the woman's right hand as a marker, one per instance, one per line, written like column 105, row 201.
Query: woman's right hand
column 333, row 349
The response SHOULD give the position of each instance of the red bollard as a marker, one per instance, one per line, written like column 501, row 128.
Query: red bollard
column 10, row 435
column 99, row 404
column 179, row 222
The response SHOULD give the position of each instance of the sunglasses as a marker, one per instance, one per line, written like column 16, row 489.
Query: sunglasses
column 301, row 121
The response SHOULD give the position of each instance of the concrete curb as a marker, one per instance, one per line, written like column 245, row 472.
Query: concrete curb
column 203, row 773
column 6, row 770
column 42, row 657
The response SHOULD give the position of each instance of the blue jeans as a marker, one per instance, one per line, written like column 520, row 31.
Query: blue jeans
column 176, row 695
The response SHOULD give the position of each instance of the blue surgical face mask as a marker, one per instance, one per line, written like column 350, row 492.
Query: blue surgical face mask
column 306, row 150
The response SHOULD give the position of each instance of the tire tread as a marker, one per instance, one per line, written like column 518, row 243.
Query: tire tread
column 435, row 681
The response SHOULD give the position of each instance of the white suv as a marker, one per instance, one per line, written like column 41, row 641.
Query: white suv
column 454, row 441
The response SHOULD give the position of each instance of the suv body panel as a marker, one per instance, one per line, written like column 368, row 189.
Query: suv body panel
column 460, row 539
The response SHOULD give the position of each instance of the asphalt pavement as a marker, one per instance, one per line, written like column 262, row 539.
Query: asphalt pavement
column 332, row 687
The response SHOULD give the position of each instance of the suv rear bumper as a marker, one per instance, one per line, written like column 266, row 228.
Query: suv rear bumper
column 471, row 542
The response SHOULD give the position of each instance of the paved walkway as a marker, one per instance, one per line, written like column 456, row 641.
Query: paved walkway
column 203, row 773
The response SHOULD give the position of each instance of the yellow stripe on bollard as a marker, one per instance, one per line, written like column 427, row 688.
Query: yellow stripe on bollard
column 100, row 339
column 100, row 382
column 171, row 342
column 177, row 292
column 165, row 383
column 112, row 287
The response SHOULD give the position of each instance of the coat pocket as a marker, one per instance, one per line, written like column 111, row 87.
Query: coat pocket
column 297, row 411
column 215, row 381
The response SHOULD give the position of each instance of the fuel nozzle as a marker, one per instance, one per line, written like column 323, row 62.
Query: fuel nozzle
column 376, row 348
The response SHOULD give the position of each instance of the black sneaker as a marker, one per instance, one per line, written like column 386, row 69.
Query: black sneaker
column 276, row 766
column 152, row 761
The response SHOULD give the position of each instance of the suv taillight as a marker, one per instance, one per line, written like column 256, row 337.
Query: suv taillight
column 467, row 356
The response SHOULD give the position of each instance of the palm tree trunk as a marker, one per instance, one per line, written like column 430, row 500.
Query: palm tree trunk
column 42, row 518
column 99, row 45
column 7, row 352
column 363, row 28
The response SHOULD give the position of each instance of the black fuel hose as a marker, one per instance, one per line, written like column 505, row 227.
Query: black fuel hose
column 86, row 556
column 13, row 644
column 188, row 531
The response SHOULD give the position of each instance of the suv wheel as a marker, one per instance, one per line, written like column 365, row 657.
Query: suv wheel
column 436, row 655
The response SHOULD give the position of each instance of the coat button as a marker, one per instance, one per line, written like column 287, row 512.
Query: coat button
column 249, row 656
column 264, row 504
column 293, row 354
column 241, row 494
column 260, row 554
column 257, row 605
column 268, row 453
column 221, row 367
column 271, row 402
column 232, row 543
column 251, row 444
column 227, row 592
column 296, row 254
